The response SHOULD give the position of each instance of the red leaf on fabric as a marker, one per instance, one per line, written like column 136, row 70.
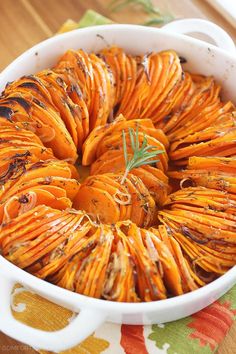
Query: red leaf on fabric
column 212, row 323
column 132, row 339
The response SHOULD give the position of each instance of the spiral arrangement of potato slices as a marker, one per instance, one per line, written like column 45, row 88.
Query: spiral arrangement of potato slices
column 161, row 229
column 212, row 172
column 202, row 220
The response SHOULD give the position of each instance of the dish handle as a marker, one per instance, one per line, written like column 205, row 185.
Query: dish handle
column 190, row 25
column 84, row 324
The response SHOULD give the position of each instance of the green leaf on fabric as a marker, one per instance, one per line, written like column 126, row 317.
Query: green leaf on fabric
column 200, row 333
column 231, row 297
column 176, row 335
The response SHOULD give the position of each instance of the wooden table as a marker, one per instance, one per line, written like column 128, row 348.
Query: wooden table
column 26, row 22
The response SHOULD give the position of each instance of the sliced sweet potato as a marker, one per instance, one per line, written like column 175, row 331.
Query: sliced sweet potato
column 119, row 193
column 51, row 263
column 107, row 131
column 44, row 170
column 124, row 69
column 187, row 280
column 40, row 246
column 120, row 274
column 153, row 84
column 110, row 161
column 20, row 228
column 39, row 115
column 145, row 199
column 115, row 142
column 93, row 272
column 67, row 276
column 149, row 281
column 79, row 108
column 171, row 277
column 221, row 146
column 22, row 202
column 103, row 96
column 211, row 172
column 91, row 143
column 98, row 203
column 156, row 188
column 57, row 90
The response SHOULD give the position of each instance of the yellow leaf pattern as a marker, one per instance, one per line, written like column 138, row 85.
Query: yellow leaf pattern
column 45, row 315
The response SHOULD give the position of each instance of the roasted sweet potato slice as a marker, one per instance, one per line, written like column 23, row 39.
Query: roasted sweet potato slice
column 65, row 106
column 136, row 212
column 39, row 115
column 220, row 146
column 119, row 193
column 44, row 170
column 115, row 142
column 129, row 198
column 212, row 163
column 201, row 92
column 92, row 273
column 14, row 161
column 97, row 136
column 55, row 260
column 69, row 186
column 120, row 271
column 36, row 192
column 159, row 251
column 44, row 237
column 170, row 76
column 124, row 69
column 156, row 188
column 67, row 276
column 129, row 86
column 204, row 257
column 22, row 202
column 113, row 161
column 149, row 281
column 79, row 66
column 158, row 74
column 104, row 94
column 202, row 221
column 19, row 148
column 144, row 199
column 173, row 102
column 187, row 280
column 98, row 203
column 110, row 161
column 212, row 172
column 21, row 227
column 37, row 248
column 92, row 141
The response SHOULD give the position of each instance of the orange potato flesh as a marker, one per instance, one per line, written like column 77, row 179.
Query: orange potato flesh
column 105, row 247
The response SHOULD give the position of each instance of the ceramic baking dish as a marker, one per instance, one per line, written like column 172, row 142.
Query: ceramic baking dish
column 218, row 60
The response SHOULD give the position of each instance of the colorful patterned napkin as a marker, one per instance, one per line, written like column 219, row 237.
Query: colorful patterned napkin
column 199, row 333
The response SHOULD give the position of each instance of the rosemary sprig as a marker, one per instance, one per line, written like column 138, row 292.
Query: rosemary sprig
column 146, row 5
column 142, row 155
column 158, row 20
column 155, row 15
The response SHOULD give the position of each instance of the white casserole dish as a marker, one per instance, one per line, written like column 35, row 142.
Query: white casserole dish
column 201, row 58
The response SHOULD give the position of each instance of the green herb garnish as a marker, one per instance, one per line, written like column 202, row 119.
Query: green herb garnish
column 158, row 20
column 155, row 15
column 142, row 155
column 146, row 5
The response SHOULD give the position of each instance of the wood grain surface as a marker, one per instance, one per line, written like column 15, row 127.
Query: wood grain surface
column 27, row 22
